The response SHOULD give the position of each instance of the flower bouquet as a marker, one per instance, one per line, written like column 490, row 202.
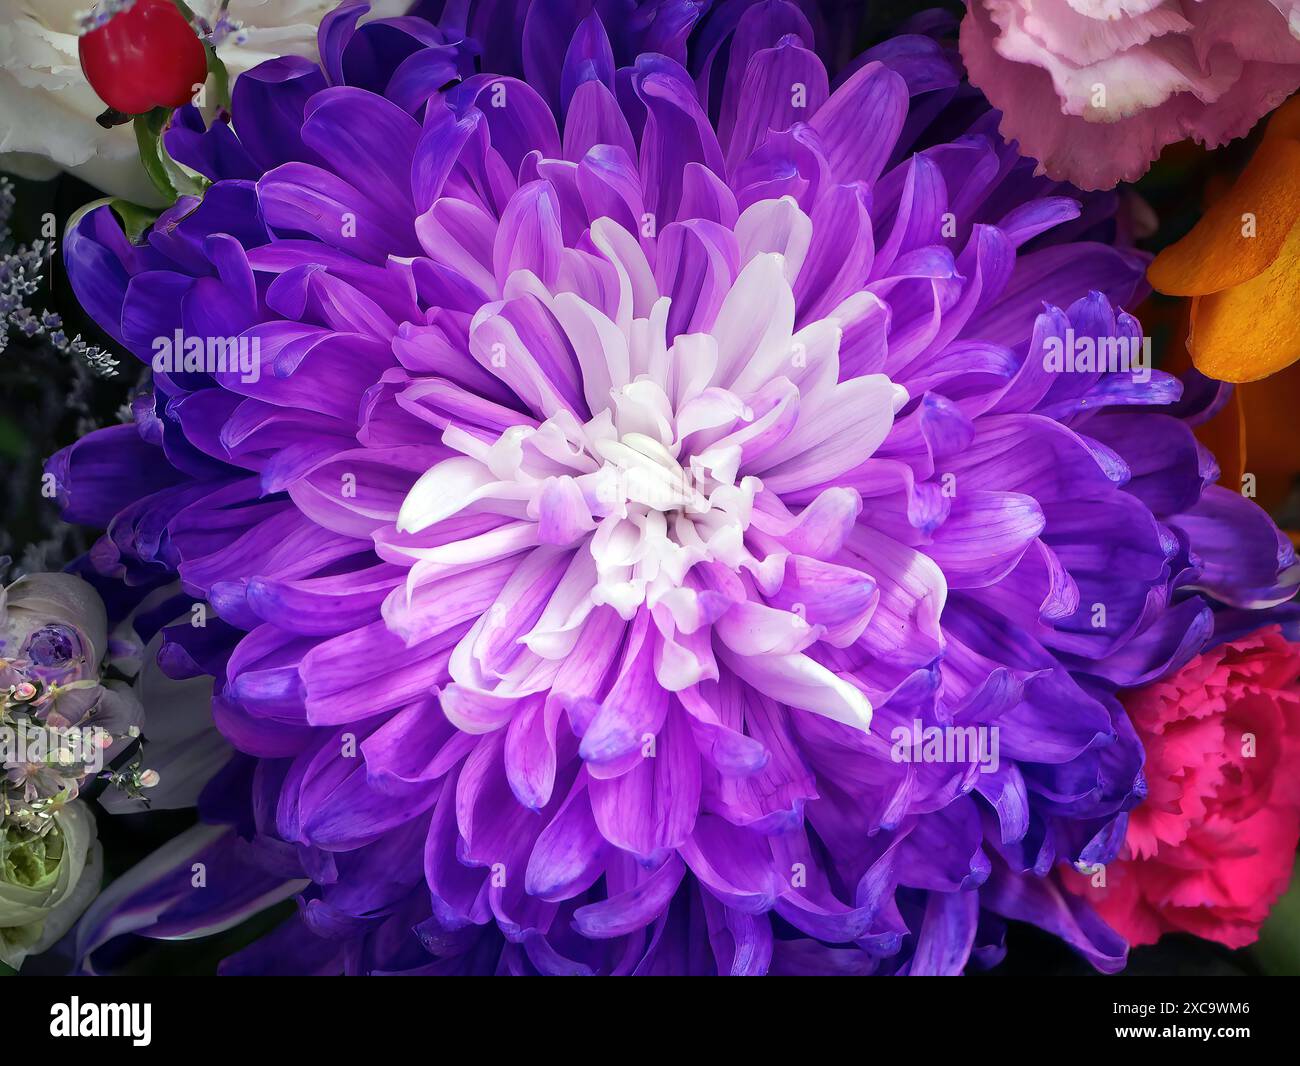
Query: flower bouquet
column 658, row 486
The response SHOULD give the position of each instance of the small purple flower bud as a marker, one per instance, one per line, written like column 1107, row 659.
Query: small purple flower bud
column 53, row 645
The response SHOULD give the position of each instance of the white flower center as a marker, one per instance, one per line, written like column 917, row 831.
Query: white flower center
column 689, row 476
column 646, row 484
column 647, row 478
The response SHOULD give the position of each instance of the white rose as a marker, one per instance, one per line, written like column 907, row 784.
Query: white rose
column 48, row 111
column 46, row 883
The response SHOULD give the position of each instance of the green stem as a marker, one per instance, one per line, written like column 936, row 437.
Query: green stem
column 168, row 177
column 220, row 77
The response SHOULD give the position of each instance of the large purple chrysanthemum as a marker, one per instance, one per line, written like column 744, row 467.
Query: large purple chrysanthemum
column 647, row 436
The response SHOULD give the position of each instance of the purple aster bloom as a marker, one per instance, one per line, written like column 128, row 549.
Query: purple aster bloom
column 655, row 440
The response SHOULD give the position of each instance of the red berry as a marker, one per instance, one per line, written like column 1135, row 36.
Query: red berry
column 148, row 56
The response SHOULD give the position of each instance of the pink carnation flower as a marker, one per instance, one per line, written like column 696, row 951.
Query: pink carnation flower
column 1211, row 849
column 1094, row 89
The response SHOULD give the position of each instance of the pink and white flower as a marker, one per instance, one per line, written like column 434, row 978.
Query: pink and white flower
column 1095, row 89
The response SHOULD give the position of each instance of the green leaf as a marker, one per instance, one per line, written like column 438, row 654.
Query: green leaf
column 12, row 439
column 1278, row 949
column 220, row 76
column 168, row 176
column 135, row 219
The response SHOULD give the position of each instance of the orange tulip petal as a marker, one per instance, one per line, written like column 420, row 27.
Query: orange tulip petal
column 1252, row 330
column 1272, row 447
column 1285, row 121
column 1217, row 254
